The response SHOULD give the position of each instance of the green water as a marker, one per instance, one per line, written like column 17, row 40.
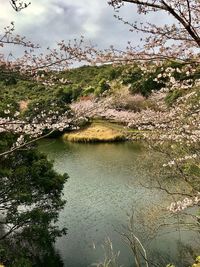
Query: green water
column 106, row 182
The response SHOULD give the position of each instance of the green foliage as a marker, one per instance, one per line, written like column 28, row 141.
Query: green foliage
column 192, row 169
column 102, row 87
column 21, row 262
column 31, row 196
column 88, row 91
column 8, row 107
column 10, row 81
column 81, row 81
column 67, row 93
column 172, row 96
column 8, row 78
column 140, row 82
column 91, row 75
column 45, row 107
column 147, row 85
column 24, row 90
column 87, row 80
column 181, row 76
column 131, row 75
column 114, row 73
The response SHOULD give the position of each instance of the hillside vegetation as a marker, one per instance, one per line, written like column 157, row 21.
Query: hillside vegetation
column 131, row 86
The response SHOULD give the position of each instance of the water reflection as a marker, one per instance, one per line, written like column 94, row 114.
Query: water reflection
column 105, row 183
column 52, row 259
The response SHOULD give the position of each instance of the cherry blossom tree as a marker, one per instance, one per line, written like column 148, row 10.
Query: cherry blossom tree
column 178, row 40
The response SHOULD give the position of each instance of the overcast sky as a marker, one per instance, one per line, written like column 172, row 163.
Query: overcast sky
column 49, row 21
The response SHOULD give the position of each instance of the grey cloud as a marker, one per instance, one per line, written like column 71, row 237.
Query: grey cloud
column 69, row 19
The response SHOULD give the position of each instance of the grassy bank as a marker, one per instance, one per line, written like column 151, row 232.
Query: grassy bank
column 96, row 132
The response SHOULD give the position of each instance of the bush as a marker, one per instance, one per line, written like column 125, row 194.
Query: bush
column 88, row 91
column 64, row 94
column 132, row 75
column 114, row 73
column 142, row 83
column 102, row 87
column 10, row 81
column 69, row 93
column 8, row 107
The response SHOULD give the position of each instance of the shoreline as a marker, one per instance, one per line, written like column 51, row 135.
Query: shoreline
column 102, row 132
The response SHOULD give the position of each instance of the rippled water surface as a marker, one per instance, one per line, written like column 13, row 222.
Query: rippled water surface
column 105, row 184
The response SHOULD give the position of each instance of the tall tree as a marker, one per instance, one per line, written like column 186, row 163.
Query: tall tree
column 30, row 202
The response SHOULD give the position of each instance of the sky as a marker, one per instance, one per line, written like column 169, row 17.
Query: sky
column 49, row 21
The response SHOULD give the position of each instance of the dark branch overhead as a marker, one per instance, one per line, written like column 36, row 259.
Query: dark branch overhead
column 19, row 5
column 186, row 13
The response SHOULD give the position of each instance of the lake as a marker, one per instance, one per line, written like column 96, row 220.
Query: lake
column 108, row 183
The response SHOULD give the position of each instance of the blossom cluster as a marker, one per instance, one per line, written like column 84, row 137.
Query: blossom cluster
column 180, row 160
column 184, row 204
column 31, row 128
column 179, row 124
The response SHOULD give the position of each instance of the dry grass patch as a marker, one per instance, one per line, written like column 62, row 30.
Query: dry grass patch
column 95, row 133
column 23, row 105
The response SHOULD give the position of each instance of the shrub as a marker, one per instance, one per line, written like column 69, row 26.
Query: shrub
column 88, row 90
column 69, row 93
column 132, row 75
column 146, row 85
column 142, row 83
column 8, row 107
column 10, row 81
column 102, row 87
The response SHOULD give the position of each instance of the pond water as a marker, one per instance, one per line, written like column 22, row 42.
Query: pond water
column 106, row 182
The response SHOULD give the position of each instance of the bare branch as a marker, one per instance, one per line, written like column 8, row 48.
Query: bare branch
column 19, row 5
